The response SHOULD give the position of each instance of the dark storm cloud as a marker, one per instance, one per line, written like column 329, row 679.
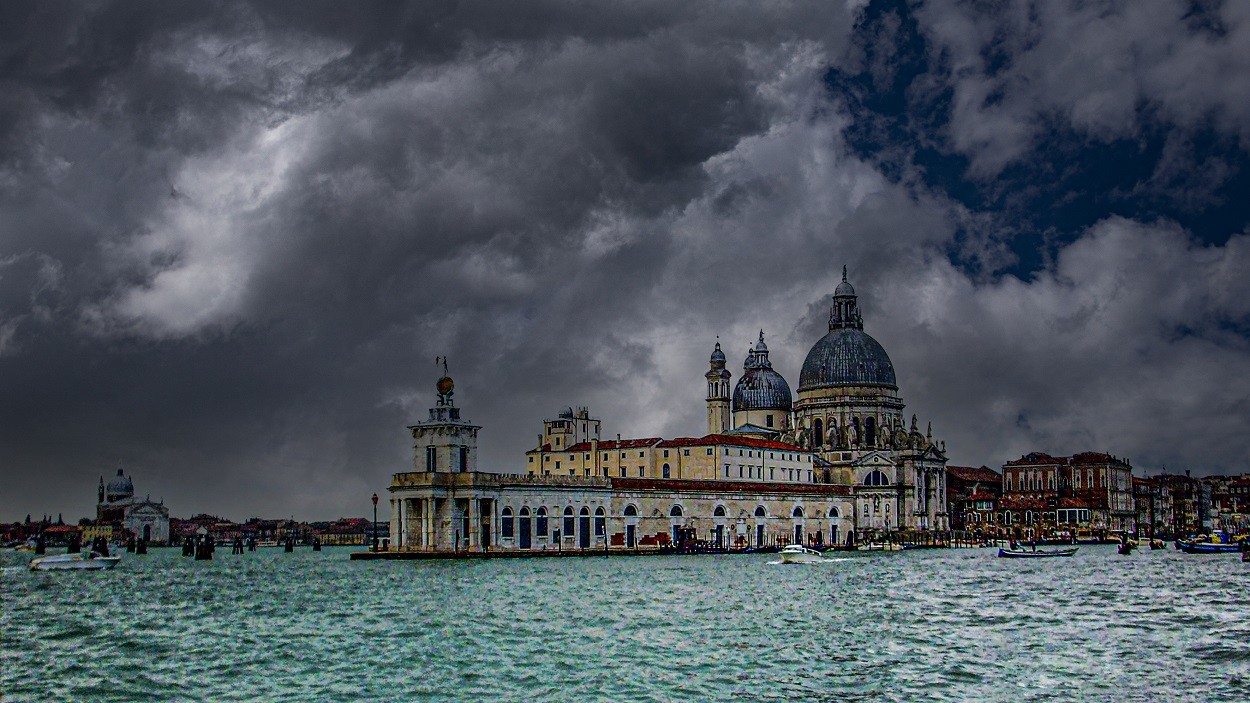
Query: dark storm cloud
column 233, row 238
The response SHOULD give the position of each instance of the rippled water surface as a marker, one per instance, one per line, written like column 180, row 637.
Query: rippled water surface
column 948, row 625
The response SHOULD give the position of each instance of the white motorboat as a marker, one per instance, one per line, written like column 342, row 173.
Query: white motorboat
column 880, row 547
column 68, row 562
column 798, row 554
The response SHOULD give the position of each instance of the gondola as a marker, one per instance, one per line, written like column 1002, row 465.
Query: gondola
column 1035, row 554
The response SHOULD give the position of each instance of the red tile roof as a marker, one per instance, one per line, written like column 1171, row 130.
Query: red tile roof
column 609, row 444
column 740, row 441
column 1034, row 458
column 706, row 441
column 974, row 473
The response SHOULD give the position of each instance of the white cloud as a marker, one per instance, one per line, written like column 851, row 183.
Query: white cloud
column 1095, row 66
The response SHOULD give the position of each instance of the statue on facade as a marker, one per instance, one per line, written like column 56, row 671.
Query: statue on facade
column 800, row 438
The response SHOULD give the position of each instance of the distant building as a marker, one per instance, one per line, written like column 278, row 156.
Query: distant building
column 1090, row 490
column 142, row 517
column 1153, row 500
column 972, row 494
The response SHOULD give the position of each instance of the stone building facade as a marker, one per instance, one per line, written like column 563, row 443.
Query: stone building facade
column 117, row 505
column 836, row 465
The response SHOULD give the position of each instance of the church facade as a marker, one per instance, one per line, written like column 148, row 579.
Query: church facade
column 835, row 465
column 143, row 517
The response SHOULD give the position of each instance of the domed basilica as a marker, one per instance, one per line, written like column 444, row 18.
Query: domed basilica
column 848, row 412
column 838, row 466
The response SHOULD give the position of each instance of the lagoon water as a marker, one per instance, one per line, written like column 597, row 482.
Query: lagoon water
column 949, row 625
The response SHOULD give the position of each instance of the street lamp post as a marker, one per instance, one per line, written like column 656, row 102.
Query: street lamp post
column 375, row 522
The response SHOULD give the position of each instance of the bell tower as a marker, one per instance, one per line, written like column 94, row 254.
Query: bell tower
column 718, row 376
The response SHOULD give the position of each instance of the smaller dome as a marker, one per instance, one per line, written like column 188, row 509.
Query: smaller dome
column 844, row 288
column 718, row 356
column 762, row 388
column 120, row 486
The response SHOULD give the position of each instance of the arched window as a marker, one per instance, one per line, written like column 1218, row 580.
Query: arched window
column 675, row 512
column 719, row 512
column 761, row 512
column 666, row 471
column 833, row 513
column 870, row 431
column 631, row 510
column 540, row 522
column 505, row 523
column 876, row 478
column 798, row 511
column 568, row 522
column 583, row 526
column 601, row 522
column 818, row 433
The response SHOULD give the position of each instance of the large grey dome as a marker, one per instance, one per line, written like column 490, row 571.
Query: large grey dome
column 762, row 389
column 847, row 357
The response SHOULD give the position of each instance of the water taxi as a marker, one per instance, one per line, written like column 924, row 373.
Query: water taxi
column 798, row 554
column 73, row 562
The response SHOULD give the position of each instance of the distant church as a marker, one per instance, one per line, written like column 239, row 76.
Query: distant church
column 837, row 464
column 143, row 517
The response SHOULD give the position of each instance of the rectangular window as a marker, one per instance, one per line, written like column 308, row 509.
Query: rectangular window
column 665, row 453
column 531, row 460
column 586, row 458
column 464, row 459
column 666, row 471
column 640, row 470
column 572, row 472
column 726, row 470
column 572, row 457
column 685, row 452
column 709, row 451
column 739, row 470
column 622, row 472
column 641, row 454
column 557, row 464
column 431, row 458
column 771, row 477
column 586, row 472
column 768, row 420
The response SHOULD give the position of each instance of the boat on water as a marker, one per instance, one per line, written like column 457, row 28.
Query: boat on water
column 880, row 547
column 73, row 562
column 1192, row 547
column 1035, row 553
column 798, row 554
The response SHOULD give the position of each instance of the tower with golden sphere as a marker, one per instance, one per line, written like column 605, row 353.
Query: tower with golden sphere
column 444, row 443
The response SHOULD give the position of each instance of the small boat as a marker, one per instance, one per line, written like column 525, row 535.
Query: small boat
column 880, row 547
column 1035, row 553
column 1156, row 544
column 1126, row 547
column 798, row 554
column 73, row 562
column 1190, row 547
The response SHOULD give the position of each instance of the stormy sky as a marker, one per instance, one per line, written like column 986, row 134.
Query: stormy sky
column 234, row 237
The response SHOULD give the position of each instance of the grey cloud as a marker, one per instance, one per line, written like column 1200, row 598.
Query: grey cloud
column 257, row 268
